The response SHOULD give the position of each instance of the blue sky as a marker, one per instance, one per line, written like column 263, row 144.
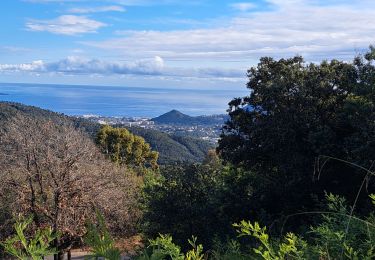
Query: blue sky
column 172, row 43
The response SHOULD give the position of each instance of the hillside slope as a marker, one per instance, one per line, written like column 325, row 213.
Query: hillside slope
column 11, row 109
column 171, row 148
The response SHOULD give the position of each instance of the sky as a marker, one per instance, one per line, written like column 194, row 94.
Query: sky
column 172, row 43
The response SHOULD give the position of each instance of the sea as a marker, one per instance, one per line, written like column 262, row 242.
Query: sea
column 78, row 100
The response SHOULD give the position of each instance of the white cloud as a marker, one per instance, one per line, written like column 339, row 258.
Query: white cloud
column 288, row 28
column 66, row 24
column 147, row 67
column 316, row 29
column 86, row 10
column 35, row 66
column 79, row 65
column 243, row 6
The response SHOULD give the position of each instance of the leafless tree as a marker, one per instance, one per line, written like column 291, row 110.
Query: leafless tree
column 57, row 174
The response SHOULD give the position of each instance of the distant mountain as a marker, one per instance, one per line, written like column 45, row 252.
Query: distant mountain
column 175, row 117
column 171, row 148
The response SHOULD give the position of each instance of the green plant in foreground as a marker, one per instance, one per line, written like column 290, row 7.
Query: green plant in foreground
column 100, row 240
column 372, row 197
column 197, row 252
column 343, row 235
column 231, row 250
column 291, row 248
column 339, row 236
column 36, row 247
column 163, row 248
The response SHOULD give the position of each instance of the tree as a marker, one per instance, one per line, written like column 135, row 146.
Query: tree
column 58, row 175
column 124, row 148
column 294, row 115
column 181, row 202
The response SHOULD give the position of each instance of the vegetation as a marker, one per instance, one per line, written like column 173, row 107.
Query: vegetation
column 171, row 148
column 99, row 239
column 53, row 172
column 339, row 236
column 35, row 247
column 295, row 118
column 124, row 148
column 174, row 148
column 179, row 202
column 163, row 248
column 296, row 156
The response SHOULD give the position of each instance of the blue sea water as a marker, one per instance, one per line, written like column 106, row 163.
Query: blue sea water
column 118, row 101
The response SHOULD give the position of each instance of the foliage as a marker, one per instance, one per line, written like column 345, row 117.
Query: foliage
column 292, row 247
column 372, row 197
column 174, row 148
column 196, row 253
column 35, row 247
column 100, row 241
column 294, row 113
column 231, row 250
column 342, row 233
column 184, row 199
column 181, row 201
column 338, row 236
column 163, row 248
column 124, row 148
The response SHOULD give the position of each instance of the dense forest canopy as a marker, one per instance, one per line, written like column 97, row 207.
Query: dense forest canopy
column 295, row 115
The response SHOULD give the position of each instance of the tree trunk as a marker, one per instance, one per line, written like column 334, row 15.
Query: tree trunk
column 69, row 255
column 59, row 256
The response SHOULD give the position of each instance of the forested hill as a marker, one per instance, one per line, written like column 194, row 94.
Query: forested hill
column 174, row 148
column 171, row 148
column 178, row 118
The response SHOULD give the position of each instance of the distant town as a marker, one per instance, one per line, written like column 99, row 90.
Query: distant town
column 174, row 122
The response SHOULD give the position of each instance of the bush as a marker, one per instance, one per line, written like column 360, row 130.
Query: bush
column 181, row 202
column 36, row 246
column 340, row 235
column 163, row 248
